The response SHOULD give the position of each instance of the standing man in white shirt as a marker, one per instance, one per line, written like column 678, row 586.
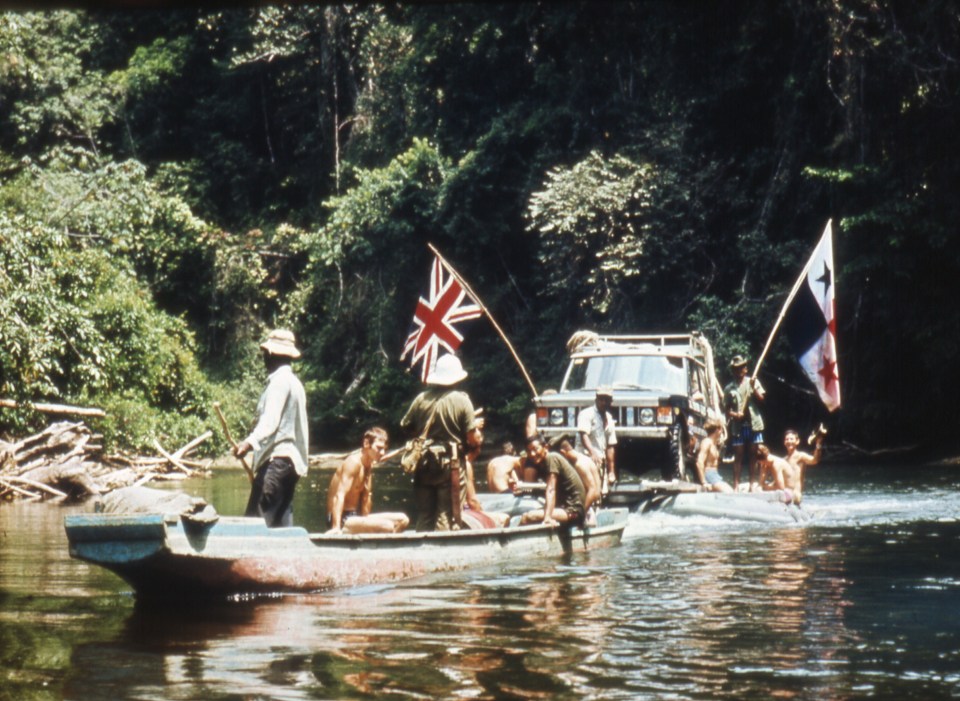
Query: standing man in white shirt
column 279, row 440
column 597, row 434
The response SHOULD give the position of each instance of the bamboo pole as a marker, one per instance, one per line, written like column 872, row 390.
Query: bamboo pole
column 226, row 432
column 786, row 305
column 489, row 316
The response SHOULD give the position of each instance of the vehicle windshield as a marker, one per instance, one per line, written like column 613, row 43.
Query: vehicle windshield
column 638, row 372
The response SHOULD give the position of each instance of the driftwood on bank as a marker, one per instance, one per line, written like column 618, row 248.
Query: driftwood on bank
column 64, row 409
column 66, row 461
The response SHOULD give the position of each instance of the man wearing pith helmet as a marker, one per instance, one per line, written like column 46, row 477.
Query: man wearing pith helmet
column 447, row 417
column 279, row 439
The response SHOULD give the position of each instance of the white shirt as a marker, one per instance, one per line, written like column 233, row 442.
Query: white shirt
column 602, row 434
column 281, row 430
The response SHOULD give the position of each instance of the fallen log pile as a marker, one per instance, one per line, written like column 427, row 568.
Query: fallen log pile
column 66, row 461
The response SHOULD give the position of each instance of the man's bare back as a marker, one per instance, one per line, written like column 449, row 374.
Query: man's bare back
column 499, row 472
column 357, row 481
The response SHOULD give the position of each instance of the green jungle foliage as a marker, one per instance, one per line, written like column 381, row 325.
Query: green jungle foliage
column 176, row 183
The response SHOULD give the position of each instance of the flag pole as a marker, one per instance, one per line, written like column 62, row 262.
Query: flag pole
column 786, row 305
column 486, row 311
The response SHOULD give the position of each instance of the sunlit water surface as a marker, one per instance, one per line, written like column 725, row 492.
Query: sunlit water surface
column 864, row 603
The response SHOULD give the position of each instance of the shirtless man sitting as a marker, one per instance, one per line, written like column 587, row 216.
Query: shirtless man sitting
column 504, row 471
column 350, row 497
column 799, row 459
column 777, row 474
column 708, row 459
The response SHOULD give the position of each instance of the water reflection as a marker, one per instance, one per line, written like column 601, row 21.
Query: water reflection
column 865, row 603
column 501, row 636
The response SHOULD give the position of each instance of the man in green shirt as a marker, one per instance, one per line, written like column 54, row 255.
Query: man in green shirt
column 446, row 415
column 565, row 495
column 740, row 399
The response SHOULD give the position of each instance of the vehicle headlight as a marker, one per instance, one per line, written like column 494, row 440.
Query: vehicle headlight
column 664, row 415
column 646, row 416
column 556, row 417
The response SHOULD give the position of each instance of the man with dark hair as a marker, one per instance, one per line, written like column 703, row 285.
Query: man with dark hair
column 563, row 502
column 446, row 415
column 776, row 474
column 279, row 440
column 798, row 459
column 745, row 422
column 350, row 497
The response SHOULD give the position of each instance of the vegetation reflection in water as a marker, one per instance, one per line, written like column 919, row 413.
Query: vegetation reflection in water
column 863, row 603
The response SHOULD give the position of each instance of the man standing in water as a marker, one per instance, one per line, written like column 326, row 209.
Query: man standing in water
column 445, row 414
column 350, row 498
column 746, row 423
column 279, row 440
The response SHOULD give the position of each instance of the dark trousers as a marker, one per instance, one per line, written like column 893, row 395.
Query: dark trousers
column 434, row 500
column 271, row 495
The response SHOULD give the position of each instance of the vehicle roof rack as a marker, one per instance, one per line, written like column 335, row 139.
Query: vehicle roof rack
column 659, row 339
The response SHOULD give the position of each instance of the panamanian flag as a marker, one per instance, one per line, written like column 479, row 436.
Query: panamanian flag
column 443, row 308
column 811, row 325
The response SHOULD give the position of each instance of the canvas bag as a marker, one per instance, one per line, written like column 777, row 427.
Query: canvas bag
column 415, row 449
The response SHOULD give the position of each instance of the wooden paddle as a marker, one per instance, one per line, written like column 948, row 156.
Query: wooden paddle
column 226, row 431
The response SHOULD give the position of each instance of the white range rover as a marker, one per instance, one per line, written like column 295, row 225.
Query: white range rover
column 664, row 389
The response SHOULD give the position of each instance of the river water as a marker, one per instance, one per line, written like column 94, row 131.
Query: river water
column 864, row 603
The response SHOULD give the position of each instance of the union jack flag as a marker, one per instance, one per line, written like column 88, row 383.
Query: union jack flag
column 435, row 319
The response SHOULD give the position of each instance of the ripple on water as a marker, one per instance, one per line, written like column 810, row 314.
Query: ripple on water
column 863, row 602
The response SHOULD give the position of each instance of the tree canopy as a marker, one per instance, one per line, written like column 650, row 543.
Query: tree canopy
column 176, row 182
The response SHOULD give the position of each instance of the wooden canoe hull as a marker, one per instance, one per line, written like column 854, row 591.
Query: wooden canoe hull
column 163, row 556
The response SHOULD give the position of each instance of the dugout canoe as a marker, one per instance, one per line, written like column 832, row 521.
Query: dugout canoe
column 168, row 556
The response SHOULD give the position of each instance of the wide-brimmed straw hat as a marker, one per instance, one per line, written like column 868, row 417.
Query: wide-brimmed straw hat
column 448, row 371
column 281, row 342
column 738, row 362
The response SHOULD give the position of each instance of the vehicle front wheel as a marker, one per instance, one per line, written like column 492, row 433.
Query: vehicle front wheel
column 675, row 467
